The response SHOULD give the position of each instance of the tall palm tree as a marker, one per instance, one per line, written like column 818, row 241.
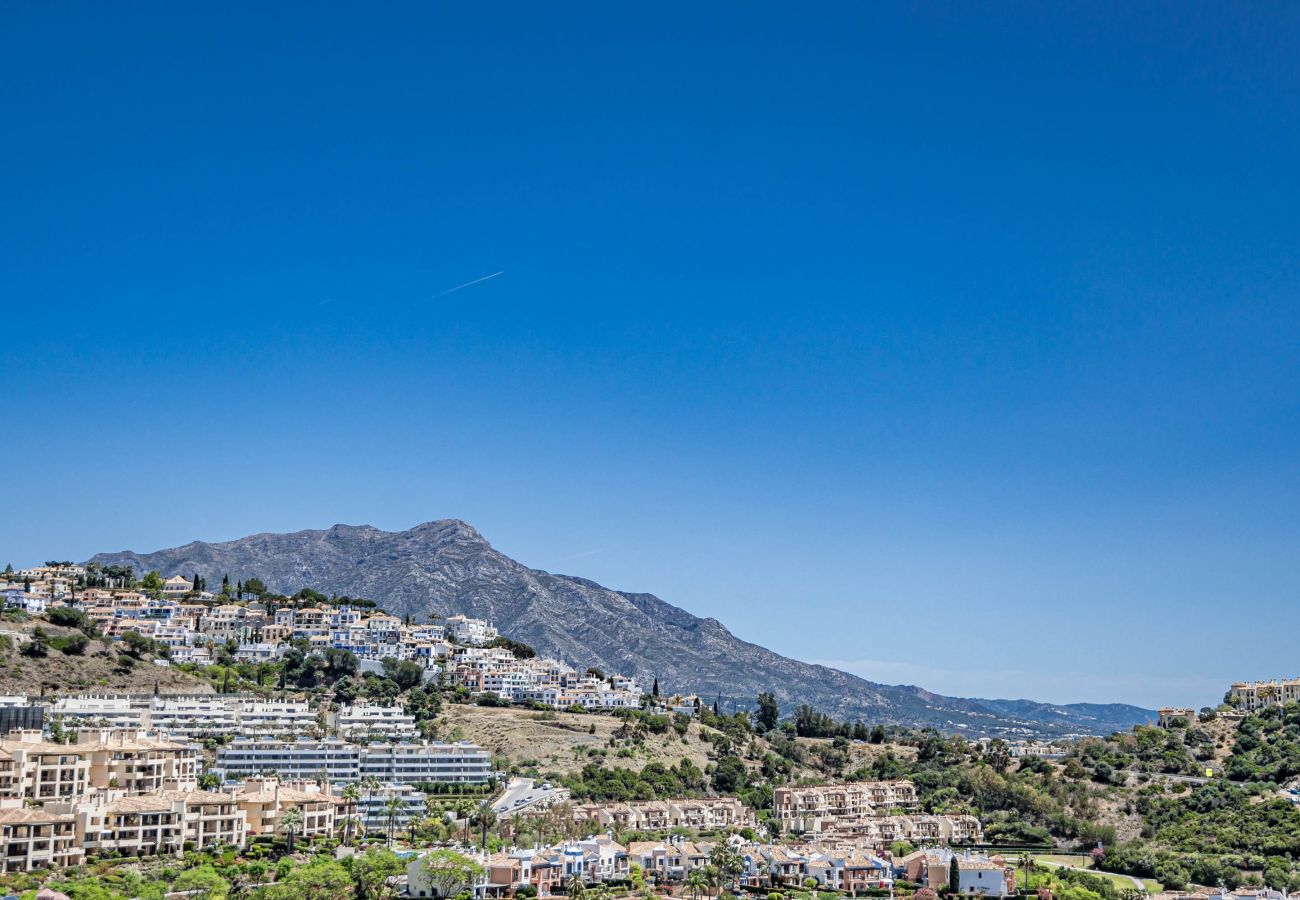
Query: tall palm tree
column 484, row 818
column 1026, row 865
column 290, row 822
column 392, row 810
column 351, row 793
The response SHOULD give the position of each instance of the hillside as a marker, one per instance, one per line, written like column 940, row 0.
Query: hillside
column 99, row 666
column 447, row 567
column 565, row 742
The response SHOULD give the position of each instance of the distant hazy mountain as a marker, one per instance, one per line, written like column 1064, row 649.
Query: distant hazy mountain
column 446, row 567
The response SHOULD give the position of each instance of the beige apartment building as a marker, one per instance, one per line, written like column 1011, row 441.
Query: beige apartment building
column 159, row 822
column 804, row 808
column 131, row 762
column 264, row 801
column 37, row 839
column 1252, row 696
column 657, row 815
column 44, row 771
column 914, row 828
column 32, row 768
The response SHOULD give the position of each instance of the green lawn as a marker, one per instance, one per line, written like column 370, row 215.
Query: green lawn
column 1064, row 859
column 1080, row 861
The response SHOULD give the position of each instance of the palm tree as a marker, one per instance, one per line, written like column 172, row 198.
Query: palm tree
column 352, row 825
column 1026, row 865
column 697, row 880
column 484, row 819
column 392, row 810
column 575, row 887
column 290, row 822
column 713, row 875
column 352, row 794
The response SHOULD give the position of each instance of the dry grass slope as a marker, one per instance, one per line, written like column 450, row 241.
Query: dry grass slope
column 100, row 667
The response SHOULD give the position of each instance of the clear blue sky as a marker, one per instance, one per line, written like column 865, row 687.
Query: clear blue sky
column 958, row 343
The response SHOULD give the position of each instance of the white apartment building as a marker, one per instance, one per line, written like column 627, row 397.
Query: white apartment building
column 432, row 761
column 106, row 711
column 365, row 722
column 464, row 630
column 270, row 718
column 194, row 715
column 190, row 715
column 300, row 760
column 176, row 586
column 372, row 807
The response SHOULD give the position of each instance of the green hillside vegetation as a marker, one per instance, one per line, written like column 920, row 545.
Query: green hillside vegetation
column 1121, row 793
column 1232, row 830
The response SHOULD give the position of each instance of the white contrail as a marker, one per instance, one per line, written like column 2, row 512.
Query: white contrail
column 468, row 283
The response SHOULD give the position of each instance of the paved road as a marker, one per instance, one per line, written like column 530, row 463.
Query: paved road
column 521, row 794
column 1188, row 779
column 516, row 789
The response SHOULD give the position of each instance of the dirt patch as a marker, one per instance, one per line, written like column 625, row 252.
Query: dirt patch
column 100, row 667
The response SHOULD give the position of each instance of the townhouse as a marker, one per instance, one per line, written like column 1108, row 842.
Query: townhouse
column 807, row 808
column 915, row 828
column 977, row 874
column 653, row 815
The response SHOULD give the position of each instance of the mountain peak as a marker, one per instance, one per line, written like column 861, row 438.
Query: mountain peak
column 448, row 527
column 446, row 567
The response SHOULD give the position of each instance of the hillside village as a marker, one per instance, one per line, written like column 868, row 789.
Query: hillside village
column 322, row 724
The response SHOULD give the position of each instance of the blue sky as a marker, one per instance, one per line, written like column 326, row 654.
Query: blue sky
column 953, row 343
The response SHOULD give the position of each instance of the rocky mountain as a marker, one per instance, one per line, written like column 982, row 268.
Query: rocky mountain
column 447, row 567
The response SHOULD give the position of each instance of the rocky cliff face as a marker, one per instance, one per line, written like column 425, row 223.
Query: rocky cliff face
column 446, row 567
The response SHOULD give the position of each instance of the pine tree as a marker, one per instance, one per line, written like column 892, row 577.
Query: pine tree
column 198, row 582
column 654, row 691
column 954, row 875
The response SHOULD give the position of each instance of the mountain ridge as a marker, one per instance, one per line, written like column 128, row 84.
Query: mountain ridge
column 446, row 566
